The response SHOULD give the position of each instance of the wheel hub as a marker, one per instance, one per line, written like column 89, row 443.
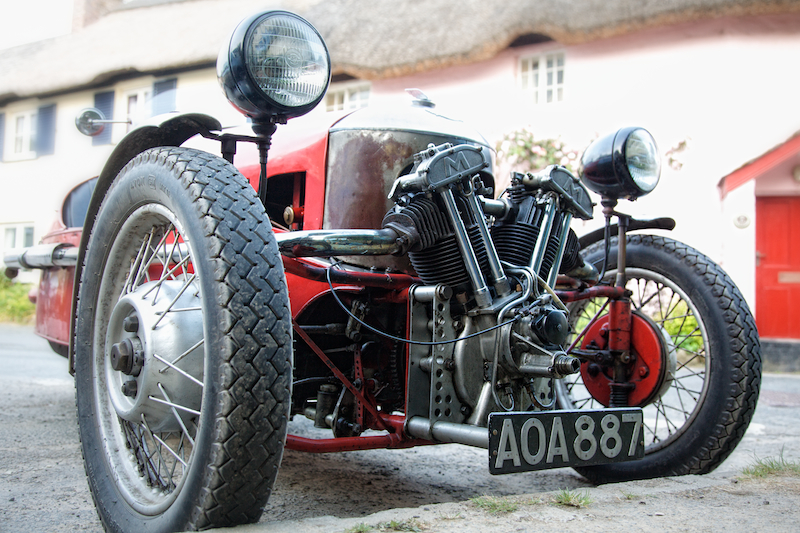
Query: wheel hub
column 652, row 367
column 154, row 362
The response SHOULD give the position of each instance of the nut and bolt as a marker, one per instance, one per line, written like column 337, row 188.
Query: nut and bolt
column 131, row 324
column 130, row 388
column 127, row 356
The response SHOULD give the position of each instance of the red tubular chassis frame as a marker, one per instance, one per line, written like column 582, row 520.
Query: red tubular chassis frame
column 397, row 286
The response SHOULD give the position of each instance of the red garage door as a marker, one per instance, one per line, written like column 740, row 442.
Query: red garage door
column 778, row 267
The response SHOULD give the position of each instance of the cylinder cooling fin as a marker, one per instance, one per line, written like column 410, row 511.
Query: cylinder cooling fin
column 516, row 236
column 572, row 258
column 435, row 254
column 516, row 240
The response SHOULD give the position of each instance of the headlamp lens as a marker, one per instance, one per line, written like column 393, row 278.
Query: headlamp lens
column 287, row 60
column 641, row 157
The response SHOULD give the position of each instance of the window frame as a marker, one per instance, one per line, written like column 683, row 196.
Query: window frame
column 23, row 235
column 545, row 81
column 142, row 113
column 349, row 91
column 23, row 139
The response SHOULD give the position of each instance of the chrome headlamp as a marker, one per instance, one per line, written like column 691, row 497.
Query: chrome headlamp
column 624, row 164
column 276, row 66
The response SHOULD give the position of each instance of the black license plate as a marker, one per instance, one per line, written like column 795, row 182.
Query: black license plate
column 524, row 441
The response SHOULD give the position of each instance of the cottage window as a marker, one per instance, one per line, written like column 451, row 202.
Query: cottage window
column 164, row 96
column 542, row 76
column 341, row 97
column 146, row 102
column 10, row 238
column 25, row 135
column 27, row 236
column 138, row 107
column 33, row 133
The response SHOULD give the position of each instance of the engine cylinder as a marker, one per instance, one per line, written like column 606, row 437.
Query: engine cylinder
column 435, row 255
column 516, row 237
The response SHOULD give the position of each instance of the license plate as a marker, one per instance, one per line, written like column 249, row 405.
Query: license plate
column 525, row 441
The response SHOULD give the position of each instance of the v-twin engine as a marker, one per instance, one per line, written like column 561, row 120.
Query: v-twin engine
column 458, row 237
column 496, row 260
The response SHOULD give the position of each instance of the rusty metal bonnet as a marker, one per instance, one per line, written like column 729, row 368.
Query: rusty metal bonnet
column 368, row 150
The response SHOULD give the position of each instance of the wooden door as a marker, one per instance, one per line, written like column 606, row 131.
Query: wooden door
column 778, row 267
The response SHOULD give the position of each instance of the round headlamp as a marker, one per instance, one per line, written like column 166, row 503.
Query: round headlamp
column 275, row 66
column 624, row 164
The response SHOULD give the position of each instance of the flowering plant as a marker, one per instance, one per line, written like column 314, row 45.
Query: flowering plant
column 521, row 150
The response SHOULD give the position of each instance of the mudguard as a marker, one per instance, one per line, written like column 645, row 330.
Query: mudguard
column 164, row 130
column 665, row 223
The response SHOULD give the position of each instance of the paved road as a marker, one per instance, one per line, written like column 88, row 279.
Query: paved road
column 43, row 488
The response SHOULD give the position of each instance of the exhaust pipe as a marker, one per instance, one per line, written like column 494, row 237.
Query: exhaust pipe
column 330, row 243
column 422, row 428
column 42, row 256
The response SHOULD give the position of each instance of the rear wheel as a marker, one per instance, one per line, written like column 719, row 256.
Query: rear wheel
column 699, row 391
column 183, row 347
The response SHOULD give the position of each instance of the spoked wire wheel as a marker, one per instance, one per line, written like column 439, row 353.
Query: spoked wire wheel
column 682, row 390
column 151, row 368
column 696, row 368
column 182, row 347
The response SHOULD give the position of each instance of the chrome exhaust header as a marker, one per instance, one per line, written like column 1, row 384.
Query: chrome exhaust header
column 331, row 243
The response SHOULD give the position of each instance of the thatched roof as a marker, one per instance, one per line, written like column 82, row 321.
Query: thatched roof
column 367, row 38
column 377, row 41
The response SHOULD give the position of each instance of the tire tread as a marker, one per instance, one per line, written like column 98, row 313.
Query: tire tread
column 743, row 345
column 251, row 411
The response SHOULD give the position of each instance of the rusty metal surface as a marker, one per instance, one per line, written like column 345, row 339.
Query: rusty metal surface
column 367, row 151
column 362, row 166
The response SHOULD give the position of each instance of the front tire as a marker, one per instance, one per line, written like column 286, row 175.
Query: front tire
column 696, row 420
column 182, row 347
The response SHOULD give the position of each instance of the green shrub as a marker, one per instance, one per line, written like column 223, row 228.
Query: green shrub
column 14, row 303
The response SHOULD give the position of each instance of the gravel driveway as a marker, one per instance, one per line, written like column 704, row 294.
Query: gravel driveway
column 43, row 488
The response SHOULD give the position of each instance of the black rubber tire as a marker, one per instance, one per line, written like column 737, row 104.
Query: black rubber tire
column 245, row 358
column 733, row 366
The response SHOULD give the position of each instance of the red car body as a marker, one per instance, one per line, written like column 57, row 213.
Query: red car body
column 297, row 150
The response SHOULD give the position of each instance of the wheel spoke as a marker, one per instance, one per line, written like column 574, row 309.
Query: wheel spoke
column 175, row 405
column 658, row 298
column 643, row 303
column 678, row 393
column 165, row 261
column 700, row 373
column 180, row 265
column 145, row 264
column 177, row 416
column 594, row 319
column 136, row 264
column 670, row 425
column 175, row 299
column 680, row 386
column 165, row 446
column 187, row 352
column 156, row 469
column 182, row 372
